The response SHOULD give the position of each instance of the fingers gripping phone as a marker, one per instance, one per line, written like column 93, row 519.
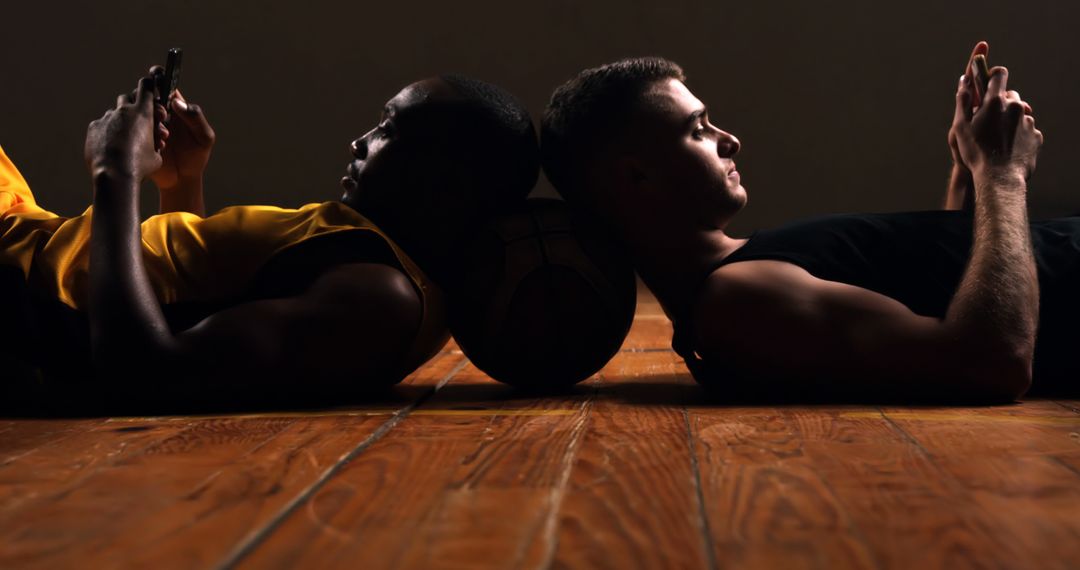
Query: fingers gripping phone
column 167, row 82
column 981, row 77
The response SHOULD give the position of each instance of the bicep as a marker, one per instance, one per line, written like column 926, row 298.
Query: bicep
column 834, row 337
column 356, row 322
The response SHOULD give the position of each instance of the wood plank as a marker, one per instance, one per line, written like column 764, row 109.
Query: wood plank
column 51, row 471
column 632, row 500
column 1071, row 459
column 651, row 329
column 26, row 435
column 179, row 491
column 1007, row 460
column 648, row 334
column 446, row 489
column 1073, row 405
column 766, row 504
column 908, row 508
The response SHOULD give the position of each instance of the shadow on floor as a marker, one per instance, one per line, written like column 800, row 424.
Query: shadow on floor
column 676, row 390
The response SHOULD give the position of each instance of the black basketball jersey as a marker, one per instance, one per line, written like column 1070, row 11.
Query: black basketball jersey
column 918, row 258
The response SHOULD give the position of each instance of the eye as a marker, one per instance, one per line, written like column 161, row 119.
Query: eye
column 699, row 132
column 385, row 128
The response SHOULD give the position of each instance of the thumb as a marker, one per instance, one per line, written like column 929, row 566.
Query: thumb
column 144, row 93
column 192, row 115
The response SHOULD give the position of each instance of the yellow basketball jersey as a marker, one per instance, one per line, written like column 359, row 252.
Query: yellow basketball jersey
column 191, row 259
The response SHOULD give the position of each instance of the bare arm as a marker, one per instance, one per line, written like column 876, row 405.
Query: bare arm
column 354, row 320
column 187, row 140
column 834, row 338
column 960, row 192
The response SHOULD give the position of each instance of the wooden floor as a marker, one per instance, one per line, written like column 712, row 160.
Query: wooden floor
column 633, row 470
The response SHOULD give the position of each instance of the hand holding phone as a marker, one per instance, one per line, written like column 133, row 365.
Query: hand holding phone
column 167, row 82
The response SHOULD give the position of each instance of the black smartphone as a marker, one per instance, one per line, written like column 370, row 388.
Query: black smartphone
column 981, row 72
column 168, row 81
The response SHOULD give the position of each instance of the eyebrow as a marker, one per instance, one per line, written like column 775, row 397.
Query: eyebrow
column 696, row 115
column 389, row 110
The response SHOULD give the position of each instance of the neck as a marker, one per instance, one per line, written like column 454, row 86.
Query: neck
column 673, row 263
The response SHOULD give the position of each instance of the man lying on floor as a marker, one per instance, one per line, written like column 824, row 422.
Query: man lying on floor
column 930, row 306
column 327, row 295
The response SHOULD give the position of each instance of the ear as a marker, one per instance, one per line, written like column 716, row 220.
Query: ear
column 630, row 172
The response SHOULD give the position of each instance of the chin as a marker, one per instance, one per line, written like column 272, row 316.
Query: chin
column 741, row 196
column 733, row 199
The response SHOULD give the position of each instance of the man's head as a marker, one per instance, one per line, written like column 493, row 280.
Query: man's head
column 628, row 140
column 447, row 152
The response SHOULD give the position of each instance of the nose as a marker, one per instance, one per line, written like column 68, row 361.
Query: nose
column 728, row 145
column 359, row 147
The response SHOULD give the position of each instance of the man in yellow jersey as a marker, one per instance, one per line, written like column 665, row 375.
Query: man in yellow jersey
column 330, row 295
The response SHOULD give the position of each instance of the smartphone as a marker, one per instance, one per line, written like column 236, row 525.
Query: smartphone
column 168, row 81
column 981, row 72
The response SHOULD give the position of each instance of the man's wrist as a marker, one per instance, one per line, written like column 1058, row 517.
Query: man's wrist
column 183, row 184
column 1000, row 173
column 109, row 175
column 115, row 192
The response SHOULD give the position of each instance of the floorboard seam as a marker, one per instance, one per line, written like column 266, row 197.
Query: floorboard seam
column 258, row 536
column 910, row 438
column 9, row 460
column 1068, row 407
column 557, row 494
column 706, row 529
column 841, row 505
column 1064, row 464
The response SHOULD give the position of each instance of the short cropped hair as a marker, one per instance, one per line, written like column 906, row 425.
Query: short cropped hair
column 499, row 139
column 584, row 113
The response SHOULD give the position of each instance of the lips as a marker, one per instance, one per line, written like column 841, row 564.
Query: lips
column 352, row 176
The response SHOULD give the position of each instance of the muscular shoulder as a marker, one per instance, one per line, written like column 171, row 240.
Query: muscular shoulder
column 745, row 304
column 732, row 285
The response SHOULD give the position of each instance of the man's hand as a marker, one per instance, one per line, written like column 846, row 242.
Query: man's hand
column 190, row 138
column 1001, row 136
column 121, row 142
column 981, row 48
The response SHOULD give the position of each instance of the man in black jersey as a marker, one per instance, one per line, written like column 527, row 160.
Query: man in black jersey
column 916, row 306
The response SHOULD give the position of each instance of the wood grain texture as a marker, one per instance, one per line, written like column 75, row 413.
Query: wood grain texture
column 905, row 503
column 1009, row 463
column 444, row 490
column 632, row 499
column 170, row 492
column 635, row 468
column 24, row 436
column 767, row 505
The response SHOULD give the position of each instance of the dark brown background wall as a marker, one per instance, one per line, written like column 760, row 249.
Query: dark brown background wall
column 841, row 106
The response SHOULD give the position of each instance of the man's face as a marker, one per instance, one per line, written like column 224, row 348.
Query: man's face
column 393, row 161
column 683, row 154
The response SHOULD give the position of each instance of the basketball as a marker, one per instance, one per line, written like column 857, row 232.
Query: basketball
column 544, row 299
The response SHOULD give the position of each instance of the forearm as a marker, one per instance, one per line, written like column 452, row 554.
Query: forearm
column 126, row 322
column 187, row 196
column 995, row 309
column 960, row 193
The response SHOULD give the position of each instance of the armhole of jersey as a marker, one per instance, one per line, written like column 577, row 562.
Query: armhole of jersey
column 290, row 271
